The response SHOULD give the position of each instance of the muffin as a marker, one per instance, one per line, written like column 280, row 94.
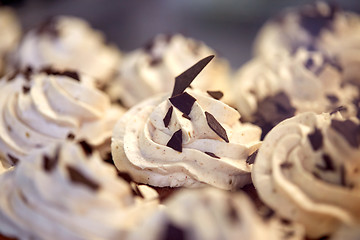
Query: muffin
column 307, row 170
column 186, row 138
column 152, row 69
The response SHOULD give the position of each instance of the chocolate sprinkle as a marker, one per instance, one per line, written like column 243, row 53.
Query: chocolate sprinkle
column 186, row 116
column 216, row 94
column 173, row 233
column 286, row 165
column 251, row 158
column 185, row 79
column 349, row 130
column 175, row 141
column 49, row 163
column 87, row 148
column 14, row 160
column 77, row 177
column 316, row 139
column 212, row 155
column 216, row 126
column 183, row 102
column 167, row 117
column 329, row 166
column 26, row 89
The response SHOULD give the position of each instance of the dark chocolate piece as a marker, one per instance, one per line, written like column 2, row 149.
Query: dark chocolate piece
column 49, row 163
column 349, row 130
column 26, row 89
column 183, row 102
column 216, row 94
column 332, row 98
column 173, row 232
column 251, row 158
column 70, row 136
column 72, row 74
column 285, row 221
column 316, row 139
column 185, row 79
column 14, row 160
column 186, row 116
column 338, row 109
column 108, row 159
column 155, row 61
column 167, row 117
column 77, row 177
column 216, row 126
column 87, row 148
column 286, row 165
column 27, row 73
column 212, row 155
column 136, row 191
column 175, row 141
column 328, row 164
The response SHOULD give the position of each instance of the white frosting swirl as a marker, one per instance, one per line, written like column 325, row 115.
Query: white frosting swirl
column 307, row 170
column 139, row 144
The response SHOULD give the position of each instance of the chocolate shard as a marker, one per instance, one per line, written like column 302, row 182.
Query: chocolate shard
column 86, row 147
column 49, row 163
column 183, row 102
column 212, row 155
column 251, row 158
column 68, row 73
column 338, row 109
column 26, row 89
column 175, row 141
column 286, row 165
column 27, row 73
column 316, row 139
column 216, row 94
column 173, row 232
column 185, row 79
column 186, row 116
column 13, row 160
column 349, row 130
column 167, row 117
column 77, row 177
column 216, row 126
column 328, row 164
column 70, row 136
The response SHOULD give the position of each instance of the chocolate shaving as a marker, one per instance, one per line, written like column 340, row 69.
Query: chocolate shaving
column 186, row 116
column 185, row 79
column 68, row 73
column 77, row 177
column 167, row 117
column 251, row 158
column 27, row 72
column 173, row 232
column 175, row 141
column 14, row 160
column 216, row 126
column 332, row 98
column 108, row 159
column 212, row 155
column 286, row 165
column 87, row 148
column 70, row 136
column 155, row 61
column 136, row 191
column 216, row 94
column 26, row 89
column 285, row 221
column 316, row 139
column 49, row 163
column 349, row 130
column 328, row 162
column 183, row 102
column 338, row 109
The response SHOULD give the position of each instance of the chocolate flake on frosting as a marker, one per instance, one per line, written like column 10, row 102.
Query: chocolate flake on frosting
column 87, row 148
column 175, row 141
column 328, row 162
column 316, row 139
column 216, row 94
column 185, row 79
column 286, row 165
column 216, row 126
column 70, row 136
column 167, row 117
column 338, row 109
column 68, row 73
column 49, row 163
column 349, row 130
column 77, row 177
column 26, row 89
column 183, row 102
column 14, row 160
column 173, row 232
column 251, row 158
column 212, row 155
column 186, row 116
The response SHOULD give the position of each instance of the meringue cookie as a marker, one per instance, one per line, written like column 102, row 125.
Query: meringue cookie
column 307, row 170
column 41, row 108
column 65, row 42
column 151, row 70
column 67, row 192
column 210, row 214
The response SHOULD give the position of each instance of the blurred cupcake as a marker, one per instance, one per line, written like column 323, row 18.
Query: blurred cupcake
column 186, row 138
column 65, row 42
column 151, row 70
column 67, row 192
column 51, row 106
column 307, row 170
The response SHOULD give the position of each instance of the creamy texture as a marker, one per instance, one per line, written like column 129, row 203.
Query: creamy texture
column 307, row 170
column 65, row 192
column 151, row 70
column 66, row 42
column 10, row 32
column 347, row 232
column 210, row 214
column 139, row 144
column 38, row 109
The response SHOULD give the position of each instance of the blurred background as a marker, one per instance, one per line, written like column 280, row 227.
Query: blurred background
column 228, row 26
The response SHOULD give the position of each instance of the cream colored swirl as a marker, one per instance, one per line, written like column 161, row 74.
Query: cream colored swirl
column 39, row 109
column 139, row 144
column 66, row 192
column 152, row 70
column 307, row 170
column 66, row 42
column 209, row 214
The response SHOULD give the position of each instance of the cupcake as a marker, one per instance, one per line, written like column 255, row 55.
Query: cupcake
column 307, row 170
column 10, row 32
column 39, row 108
column 186, row 138
column 65, row 42
column 268, row 92
column 150, row 70
column 66, row 192
column 209, row 214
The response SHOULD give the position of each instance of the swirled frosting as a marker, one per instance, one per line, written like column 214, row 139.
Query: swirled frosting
column 41, row 108
column 67, row 192
column 65, row 42
column 307, row 170
column 151, row 70
column 183, row 149
column 210, row 214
